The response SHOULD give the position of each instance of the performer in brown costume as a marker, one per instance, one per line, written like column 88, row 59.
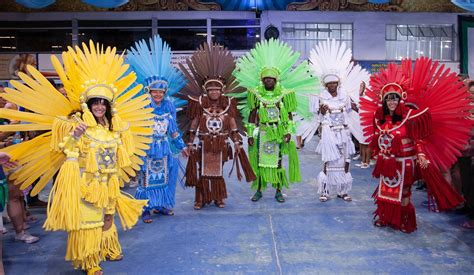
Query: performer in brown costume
column 212, row 118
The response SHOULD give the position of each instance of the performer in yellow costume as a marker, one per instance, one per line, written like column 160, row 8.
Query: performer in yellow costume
column 94, row 138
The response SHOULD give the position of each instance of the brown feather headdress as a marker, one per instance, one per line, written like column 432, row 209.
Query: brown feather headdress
column 209, row 65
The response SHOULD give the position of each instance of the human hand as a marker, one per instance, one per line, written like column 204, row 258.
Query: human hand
column 354, row 107
column 9, row 141
column 5, row 160
column 250, row 141
column 422, row 161
column 287, row 138
column 79, row 130
column 324, row 108
column 237, row 146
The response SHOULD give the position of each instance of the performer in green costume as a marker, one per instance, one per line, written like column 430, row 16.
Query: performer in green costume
column 273, row 93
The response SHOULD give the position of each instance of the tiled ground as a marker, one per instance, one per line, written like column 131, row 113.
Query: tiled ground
column 301, row 236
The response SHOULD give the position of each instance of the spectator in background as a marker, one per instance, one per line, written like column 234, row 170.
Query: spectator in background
column 15, row 205
column 365, row 153
column 465, row 167
column 4, row 162
column 61, row 89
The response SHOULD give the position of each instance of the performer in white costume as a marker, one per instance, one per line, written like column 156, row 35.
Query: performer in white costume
column 336, row 112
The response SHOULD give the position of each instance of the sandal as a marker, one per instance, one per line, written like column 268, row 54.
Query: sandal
column 115, row 259
column 279, row 197
column 197, row 206
column 219, row 204
column 95, row 271
column 468, row 225
column 323, row 198
column 146, row 218
column 164, row 211
column 345, row 197
column 379, row 223
column 257, row 196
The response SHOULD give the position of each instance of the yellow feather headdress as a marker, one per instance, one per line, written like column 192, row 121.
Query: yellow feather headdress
column 86, row 72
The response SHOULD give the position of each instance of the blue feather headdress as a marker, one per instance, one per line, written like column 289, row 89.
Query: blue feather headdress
column 152, row 64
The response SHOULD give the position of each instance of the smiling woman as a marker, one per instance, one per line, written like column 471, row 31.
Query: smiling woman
column 101, row 110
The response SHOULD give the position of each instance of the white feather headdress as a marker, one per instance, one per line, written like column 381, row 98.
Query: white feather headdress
column 331, row 60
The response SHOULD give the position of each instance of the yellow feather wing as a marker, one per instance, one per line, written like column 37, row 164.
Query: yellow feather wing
column 134, row 112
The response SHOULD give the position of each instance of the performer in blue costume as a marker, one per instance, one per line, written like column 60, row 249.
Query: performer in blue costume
column 159, row 174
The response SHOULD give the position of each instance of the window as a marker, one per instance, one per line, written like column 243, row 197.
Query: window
column 412, row 41
column 303, row 37
column 120, row 34
column 183, row 35
column 236, row 34
column 43, row 36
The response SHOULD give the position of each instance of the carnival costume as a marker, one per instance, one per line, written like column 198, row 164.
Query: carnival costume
column 331, row 61
column 213, row 123
column 425, row 134
column 92, row 167
column 269, row 113
column 159, row 173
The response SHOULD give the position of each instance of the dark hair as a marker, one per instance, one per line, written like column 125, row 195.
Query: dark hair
column 470, row 84
column 108, row 108
column 386, row 111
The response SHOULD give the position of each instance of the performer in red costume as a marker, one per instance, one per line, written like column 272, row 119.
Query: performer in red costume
column 415, row 117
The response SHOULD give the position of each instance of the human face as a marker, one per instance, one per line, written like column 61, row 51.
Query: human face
column 269, row 83
column 99, row 108
column 157, row 95
column 214, row 93
column 392, row 103
column 332, row 87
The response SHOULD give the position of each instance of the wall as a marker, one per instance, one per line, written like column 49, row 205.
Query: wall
column 368, row 27
column 368, row 32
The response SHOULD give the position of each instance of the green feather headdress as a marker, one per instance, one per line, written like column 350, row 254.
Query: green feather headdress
column 276, row 59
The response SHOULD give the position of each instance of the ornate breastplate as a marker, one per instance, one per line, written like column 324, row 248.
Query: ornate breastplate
column 214, row 124
column 214, row 120
column 160, row 128
column 336, row 112
column 385, row 142
column 336, row 117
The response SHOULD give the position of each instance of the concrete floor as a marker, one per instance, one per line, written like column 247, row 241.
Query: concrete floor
column 300, row 236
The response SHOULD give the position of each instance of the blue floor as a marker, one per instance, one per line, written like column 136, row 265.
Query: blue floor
column 300, row 236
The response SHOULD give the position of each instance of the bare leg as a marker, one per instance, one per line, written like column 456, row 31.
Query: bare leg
column 2, row 272
column 15, row 208
column 108, row 220
column 110, row 243
column 367, row 154
column 197, row 198
column 299, row 142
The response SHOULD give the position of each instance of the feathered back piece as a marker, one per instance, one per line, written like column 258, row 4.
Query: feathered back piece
column 392, row 77
column 331, row 61
column 88, row 72
column 210, row 65
column 277, row 59
column 425, row 85
column 152, row 63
